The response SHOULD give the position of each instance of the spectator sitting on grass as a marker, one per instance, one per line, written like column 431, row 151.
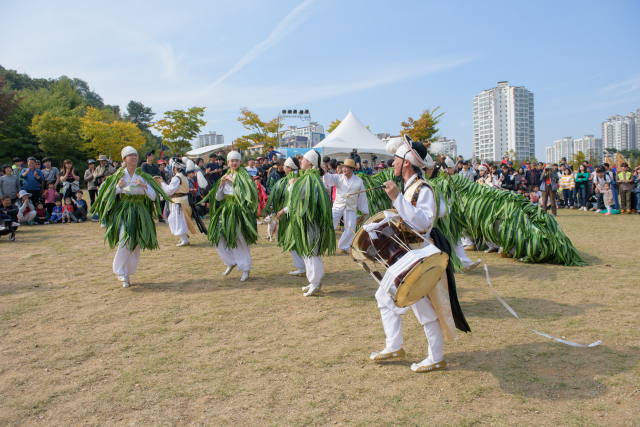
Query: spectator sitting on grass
column 56, row 214
column 26, row 210
column 608, row 198
column 41, row 214
column 81, row 206
column 67, row 211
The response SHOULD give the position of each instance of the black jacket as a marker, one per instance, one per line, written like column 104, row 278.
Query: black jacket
column 11, row 211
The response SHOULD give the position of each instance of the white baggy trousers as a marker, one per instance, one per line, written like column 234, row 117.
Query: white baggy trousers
column 426, row 315
column 350, row 219
column 313, row 265
column 240, row 256
column 125, row 263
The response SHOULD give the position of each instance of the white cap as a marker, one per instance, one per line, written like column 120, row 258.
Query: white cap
column 449, row 162
column 289, row 162
column 482, row 168
column 401, row 147
column 234, row 155
column 127, row 150
column 313, row 157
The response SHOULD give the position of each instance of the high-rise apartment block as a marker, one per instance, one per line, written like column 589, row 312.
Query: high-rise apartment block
column 566, row 147
column 619, row 132
column 503, row 120
column 211, row 138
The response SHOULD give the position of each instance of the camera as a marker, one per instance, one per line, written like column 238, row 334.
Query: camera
column 374, row 158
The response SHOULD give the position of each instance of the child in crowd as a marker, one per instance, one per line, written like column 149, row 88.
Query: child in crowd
column 608, row 197
column 536, row 190
column 67, row 211
column 56, row 213
column 535, row 199
column 41, row 214
column 49, row 196
column 81, row 206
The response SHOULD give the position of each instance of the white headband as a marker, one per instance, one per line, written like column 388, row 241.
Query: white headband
column 127, row 150
column 449, row 162
column 399, row 147
column 234, row 155
column 313, row 157
column 289, row 162
column 482, row 168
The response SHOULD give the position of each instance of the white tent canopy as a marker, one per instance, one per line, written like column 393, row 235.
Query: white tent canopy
column 205, row 151
column 350, row 134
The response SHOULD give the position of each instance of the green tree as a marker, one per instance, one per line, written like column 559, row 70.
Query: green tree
column 139, row 114
column 262, row 132
column 57, row 133
column 424, row 129
column 179, row 127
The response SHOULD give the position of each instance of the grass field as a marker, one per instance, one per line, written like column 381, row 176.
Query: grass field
column 184, row 346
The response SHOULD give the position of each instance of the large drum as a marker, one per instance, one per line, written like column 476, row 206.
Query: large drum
column 413, row 270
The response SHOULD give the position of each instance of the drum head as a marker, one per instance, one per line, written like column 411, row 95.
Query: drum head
column 421, row 279
column 356, row 251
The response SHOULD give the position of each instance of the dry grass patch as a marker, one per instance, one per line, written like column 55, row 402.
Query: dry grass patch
column 185, row 346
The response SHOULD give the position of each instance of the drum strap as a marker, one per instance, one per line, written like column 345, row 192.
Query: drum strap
column 416, row 193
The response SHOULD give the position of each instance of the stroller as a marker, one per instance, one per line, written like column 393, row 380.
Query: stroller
column 7, row 227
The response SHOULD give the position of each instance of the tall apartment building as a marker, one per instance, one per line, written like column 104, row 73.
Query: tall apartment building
column 619, row 132
column 590, row 146
column 211, row 138
column 450, row 147
column 503, row 120
column 638, row 129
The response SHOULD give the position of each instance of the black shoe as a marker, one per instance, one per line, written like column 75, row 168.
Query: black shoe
column 161, row 221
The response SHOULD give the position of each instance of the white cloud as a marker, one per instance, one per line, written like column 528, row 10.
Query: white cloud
column 629, row 85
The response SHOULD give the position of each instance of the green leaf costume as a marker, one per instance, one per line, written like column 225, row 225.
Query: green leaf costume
column 310, row 228
column 486, row 213
column 134, row 212
column 278, row 199
column 235, row 211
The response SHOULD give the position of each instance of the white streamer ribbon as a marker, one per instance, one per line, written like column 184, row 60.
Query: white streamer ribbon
column 539, row 333
column 371, row 228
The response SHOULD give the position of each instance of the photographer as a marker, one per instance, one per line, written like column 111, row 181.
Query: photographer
column 549, row 188
column 102, row 171
column 354, row 155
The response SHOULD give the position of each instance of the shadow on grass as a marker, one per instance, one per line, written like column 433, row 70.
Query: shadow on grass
column 548, row 370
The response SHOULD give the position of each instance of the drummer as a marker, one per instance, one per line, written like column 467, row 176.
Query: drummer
column 439, row 313
column 347, row 203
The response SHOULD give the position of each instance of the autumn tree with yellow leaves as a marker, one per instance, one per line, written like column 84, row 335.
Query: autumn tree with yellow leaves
column 424, row 129
column 262, row 132
column 104, row 135
column 179, row 127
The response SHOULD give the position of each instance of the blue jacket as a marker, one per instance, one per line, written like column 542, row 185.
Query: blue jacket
column 30, row 182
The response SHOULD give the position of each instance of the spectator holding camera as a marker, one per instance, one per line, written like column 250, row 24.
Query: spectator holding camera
column 354, row 155
column 102, row 171
column 549, row 188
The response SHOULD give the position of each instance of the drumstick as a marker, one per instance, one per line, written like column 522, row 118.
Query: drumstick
column 364, row 191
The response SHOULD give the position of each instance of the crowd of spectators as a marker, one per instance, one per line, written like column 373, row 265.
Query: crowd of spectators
column 36, row 192
column 553, row 186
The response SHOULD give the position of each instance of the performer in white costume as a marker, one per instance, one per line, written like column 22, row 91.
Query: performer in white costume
column 127, row 204
column 237, row 208
column 346, row 207
column 291, row 168
column 180, row 211
column 416, row 206
column 311, row 247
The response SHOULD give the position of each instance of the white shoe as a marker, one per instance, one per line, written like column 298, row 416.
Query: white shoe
column 228, row 270
column 298, row 272
column 123, row 278
column 306, row 288
column 260, row 222
column 125, row 284
column 103, row 225
column 245, row 276
column 312, row 290
column 15, row 224
column 187, row 243
column 427, row 366
column 472, row 265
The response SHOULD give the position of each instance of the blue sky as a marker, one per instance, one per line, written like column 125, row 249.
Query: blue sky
column 384, row 60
